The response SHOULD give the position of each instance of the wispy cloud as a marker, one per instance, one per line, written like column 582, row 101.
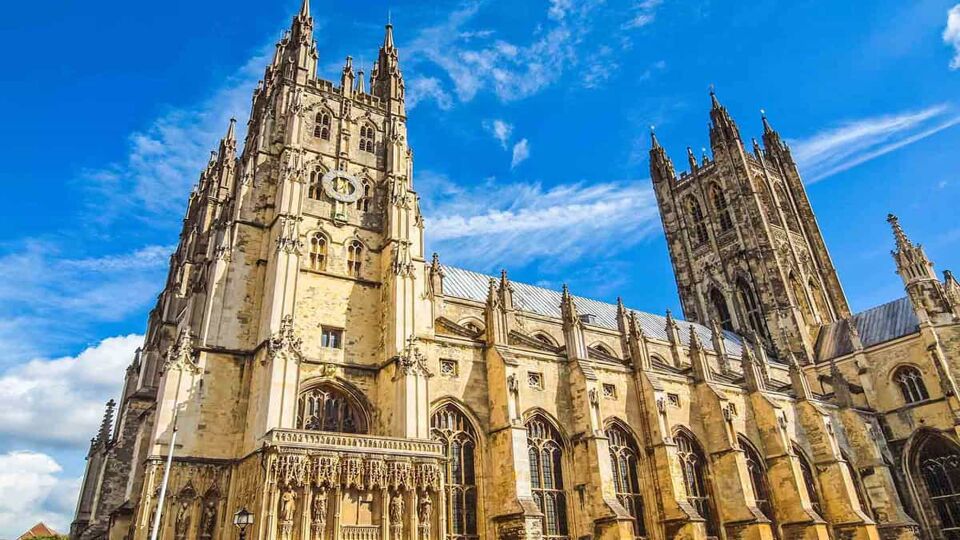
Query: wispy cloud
column 164, row 159
column 33, row 489
column 852, row 143
column 566, row 38
column 521, row 151
column 500, row 130
column 424, row 89
column 487, row 223
column 951, row 35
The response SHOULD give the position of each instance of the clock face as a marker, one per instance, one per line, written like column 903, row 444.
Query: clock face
column 341, row 186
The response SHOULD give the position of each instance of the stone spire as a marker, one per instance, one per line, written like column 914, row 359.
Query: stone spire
column 298, row 57
column 360, row 88
column 722, row 128
column 106, row 425
column 801, row 387
column 925, row 291
column 752, row 374
column 692, row 160
column 661, row 168
column 386, row 81
column 572, row 327
column 347, row 76
column 771, row 139
column 698, row 358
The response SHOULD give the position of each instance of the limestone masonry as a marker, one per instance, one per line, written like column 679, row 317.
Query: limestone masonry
column 325, row 374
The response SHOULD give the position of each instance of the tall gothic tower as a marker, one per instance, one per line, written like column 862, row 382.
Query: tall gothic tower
column 744, row 242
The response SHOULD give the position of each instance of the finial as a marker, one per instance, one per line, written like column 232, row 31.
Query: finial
column 305, row 8
column 900, row 236
column 654, row 143
column 713, row 97
column 766, row 123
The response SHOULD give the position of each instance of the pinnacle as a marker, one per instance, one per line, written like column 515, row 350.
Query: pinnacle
column 900, row 236
column 305, row 8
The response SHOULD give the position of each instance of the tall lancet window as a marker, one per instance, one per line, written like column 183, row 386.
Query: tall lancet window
column 809, row 481
column 787, row 208
column 698, row 232
column 368, row 138
column 321, row 128
column 938, row 461
column 363, row 203
column 354, row 258
column 721, row 311
column 751, row 307
column 624, row 458
column 757, row 468
column 328, row 408
column 721, row 208
column 694, row 464
column 911, row 384
column 451, row 428
column 315, row 189
column 546, row 476
column 318, row 251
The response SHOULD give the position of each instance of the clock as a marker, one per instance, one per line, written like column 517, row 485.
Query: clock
column 341, row 186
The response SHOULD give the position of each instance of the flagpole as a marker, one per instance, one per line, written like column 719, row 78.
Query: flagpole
column 166, row 470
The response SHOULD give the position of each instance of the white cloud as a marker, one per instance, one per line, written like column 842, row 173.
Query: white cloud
column 165, row 158
column 951, row 35
column 643, row 14
column 32, row 490
column 65, row 395
column 568, row 38
column 488, row 224
column 500, row 130
column 837, row 149
column 521, row 151
column 423, row 89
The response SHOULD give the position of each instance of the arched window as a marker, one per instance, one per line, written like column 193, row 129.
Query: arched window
column 450, row 427
column 819, row 299
column 751, row 307
column 318, row 251
column 862, row 496
column 315, row 190
column 368, row 138
column 693, row 464
column 603, row 350
column 787, row 208
column 721, row 311
column 328, row 408
column 354, row 260
column 472, row 326
column 321, row 128
column 802, row 302
column 757, row 469
column 720, row 207
column 698, row 228
column 624, row 460
column 938, row 461
column 545, row 339
column 809, row 481
column 546, row 476
column 911, row 384
column 769, row 208
column 363, row 203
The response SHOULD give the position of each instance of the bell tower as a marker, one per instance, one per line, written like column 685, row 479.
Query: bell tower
column 745, row 246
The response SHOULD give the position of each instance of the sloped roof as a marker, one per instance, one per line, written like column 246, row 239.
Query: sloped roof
column 875, row 325
column 38, row 530
column 469, row 285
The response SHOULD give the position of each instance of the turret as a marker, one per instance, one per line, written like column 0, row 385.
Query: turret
column 723, row 129
column 347, row 77
column 386, row 81
column 925, row 291
column 661, row 168
column 299, row 55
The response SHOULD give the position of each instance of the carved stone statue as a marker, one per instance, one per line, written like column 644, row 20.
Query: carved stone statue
column 396, row 516
column 288, row 505
column 319, row 512
column 208, row 521
column 425, row 514
column 182, row 527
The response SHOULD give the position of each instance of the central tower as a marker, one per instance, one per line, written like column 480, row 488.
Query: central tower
column 746, row 249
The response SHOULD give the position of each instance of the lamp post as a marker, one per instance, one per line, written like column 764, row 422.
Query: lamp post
column 242, row 519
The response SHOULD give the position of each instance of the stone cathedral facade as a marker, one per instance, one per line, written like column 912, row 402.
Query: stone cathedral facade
column 322, row 371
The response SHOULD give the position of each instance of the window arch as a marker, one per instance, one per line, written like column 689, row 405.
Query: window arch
column 802, row 302
column 937, row 460
column 766, row 199
column 363, row 203
column 603, row 350
column 720, row 206
column 698, row 228
column 757, row 468
column 321, row 128
column 318, row 251
column 693, row 463
column 472, row 324
column 751, row 307
column 910, row 381
column 809, row 480
column 787, row 208
column 354, row 258
column 545, row 339
column 624, row 459
column 451, row 427
column 368, row 138
column 823, row 310
column 545, row 450
column 315, row 189
column 721, row 311
column 326, row 407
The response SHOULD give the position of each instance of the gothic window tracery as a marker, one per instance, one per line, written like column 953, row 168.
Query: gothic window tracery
column 368, row 138
column 625, row 462
column 363, row 203
column 328, row 408
column 757, row 469
column 809, row 481
column 910, row 381
column 721, row 311
column 698, row 227
column 787, row 208
column 751, row 307
column 318, row 251
column 766, row 199
column 938, row 461
column 321, row 129
column 354, row 258
column 721, row 207
column 315, row 189
column 693, row 463
column 802, row 301
column 546, row 476
column 451, row 427
column 820, row 300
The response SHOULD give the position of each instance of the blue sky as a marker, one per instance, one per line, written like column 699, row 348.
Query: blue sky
column 529, row 121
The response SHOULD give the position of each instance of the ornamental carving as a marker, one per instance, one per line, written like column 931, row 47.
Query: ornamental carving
column 288, row 241
column 353, row 473
column 327, row 470
column 285, row 343
column 428, row 476
column 291, row 469
column 376, row 474
column 181, row 356
column 399, row 475
column 411, row 361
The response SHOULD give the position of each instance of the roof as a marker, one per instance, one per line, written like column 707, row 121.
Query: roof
column 469, row 285
column 38, row 530
column 875, row 325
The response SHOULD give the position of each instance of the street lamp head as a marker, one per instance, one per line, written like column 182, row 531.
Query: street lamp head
column 242, row 519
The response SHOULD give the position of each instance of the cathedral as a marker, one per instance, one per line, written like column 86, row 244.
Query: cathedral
column 310, row 368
